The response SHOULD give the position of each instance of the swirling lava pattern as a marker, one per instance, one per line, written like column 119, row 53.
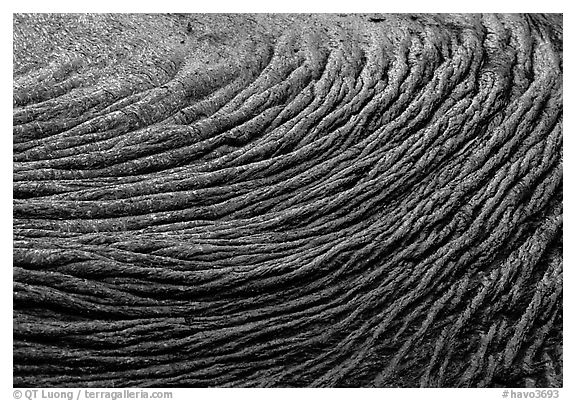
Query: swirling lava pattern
column 287, row 200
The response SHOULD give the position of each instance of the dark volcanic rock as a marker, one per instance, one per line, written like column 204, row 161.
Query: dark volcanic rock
column 287, row 200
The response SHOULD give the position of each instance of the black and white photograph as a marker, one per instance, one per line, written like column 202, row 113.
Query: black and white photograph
column 286, row 200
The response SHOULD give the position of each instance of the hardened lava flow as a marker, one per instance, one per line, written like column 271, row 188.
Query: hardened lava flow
column 287, row 200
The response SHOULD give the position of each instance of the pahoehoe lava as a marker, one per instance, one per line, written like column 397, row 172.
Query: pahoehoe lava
column 287, row 200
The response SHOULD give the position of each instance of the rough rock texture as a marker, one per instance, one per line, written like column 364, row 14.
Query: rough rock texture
column 287, row 200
